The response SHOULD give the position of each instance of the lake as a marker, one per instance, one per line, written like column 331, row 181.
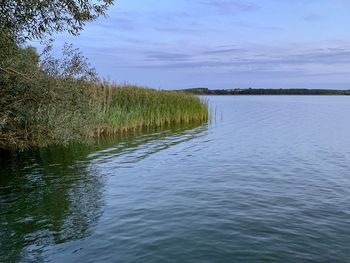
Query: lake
column 266, row 180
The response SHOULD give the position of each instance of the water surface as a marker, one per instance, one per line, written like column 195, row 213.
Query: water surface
column 267, row 180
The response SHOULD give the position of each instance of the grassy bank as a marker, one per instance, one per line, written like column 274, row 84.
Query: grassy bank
column 129, row 107
column 75, row 111
column 61, row 101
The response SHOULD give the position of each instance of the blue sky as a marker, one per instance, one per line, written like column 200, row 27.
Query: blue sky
column 221, row 43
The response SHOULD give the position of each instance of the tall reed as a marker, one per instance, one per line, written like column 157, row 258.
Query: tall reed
column 68, row 110
column 123, row 108
column 59, row 101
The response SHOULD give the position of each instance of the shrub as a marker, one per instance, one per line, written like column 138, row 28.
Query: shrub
column 63, row 101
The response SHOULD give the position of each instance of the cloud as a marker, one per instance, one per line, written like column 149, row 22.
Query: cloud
column 228, row 6
column 258, row 27
column 313, row 18
column 124, row 21
column 167, row 56
column 225, row 50
column 180, row 30
column 248, row 59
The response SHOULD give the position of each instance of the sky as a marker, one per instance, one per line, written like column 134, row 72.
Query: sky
column 174, row 44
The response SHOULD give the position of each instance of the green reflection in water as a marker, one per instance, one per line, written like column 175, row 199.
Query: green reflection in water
column 55, row 195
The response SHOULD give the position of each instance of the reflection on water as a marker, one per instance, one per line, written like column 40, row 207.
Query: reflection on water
column 55, row 195
column 268, row 180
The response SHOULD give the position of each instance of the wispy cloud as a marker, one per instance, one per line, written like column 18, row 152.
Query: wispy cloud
column 166, row 56
column 219, row 41
column 123, row 21
column 180, row 30
column 313, row 18
column 229, row 6
column 253, row 58
column 258, row 26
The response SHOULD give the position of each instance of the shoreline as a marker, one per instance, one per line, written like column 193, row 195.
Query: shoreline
column 263, row 92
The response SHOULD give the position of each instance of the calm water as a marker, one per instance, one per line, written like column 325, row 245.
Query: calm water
column 268, row 180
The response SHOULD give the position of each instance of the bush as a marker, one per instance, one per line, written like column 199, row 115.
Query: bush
column 63, row 101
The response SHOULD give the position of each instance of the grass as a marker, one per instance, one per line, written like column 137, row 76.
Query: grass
column 67, row 110
column 129, row 107
column 45, row 101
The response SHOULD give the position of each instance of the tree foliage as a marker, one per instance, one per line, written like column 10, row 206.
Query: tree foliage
column 33, row 19
column 42, row 100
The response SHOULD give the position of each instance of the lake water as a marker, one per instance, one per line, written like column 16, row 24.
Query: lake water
column 267, row 180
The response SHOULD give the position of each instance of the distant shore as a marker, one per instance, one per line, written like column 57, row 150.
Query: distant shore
column 251, row 91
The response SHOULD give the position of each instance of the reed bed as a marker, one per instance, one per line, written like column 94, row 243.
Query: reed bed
column 124, row 108
column 45, row 101
column 62, row 111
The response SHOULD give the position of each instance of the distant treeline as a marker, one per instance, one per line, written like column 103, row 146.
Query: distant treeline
column 250, row 91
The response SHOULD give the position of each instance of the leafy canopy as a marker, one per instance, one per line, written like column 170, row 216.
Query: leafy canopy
column 32, row 19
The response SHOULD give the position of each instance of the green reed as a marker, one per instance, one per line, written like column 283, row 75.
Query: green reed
column 61, row 111
column 45, row 101
column 125, row 108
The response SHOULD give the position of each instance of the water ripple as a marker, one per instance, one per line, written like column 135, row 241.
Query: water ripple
column 267, row 180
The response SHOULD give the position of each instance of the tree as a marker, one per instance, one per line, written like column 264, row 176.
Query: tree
column 33, row 19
